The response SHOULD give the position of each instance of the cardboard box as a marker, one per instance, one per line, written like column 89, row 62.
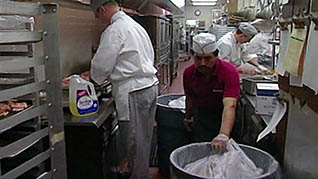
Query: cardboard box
column 265, row 105
column 266, row 89
column 265, row 100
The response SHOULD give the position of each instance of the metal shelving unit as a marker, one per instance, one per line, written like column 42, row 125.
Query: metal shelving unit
column 53, row 154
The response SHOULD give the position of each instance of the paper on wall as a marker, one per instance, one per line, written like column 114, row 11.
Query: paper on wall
column 277, row 116
column 294, row 57
column 296, row 81
column 284, row 35
column 310, row 75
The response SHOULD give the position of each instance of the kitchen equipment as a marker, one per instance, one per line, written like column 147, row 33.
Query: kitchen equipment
column 249, row 83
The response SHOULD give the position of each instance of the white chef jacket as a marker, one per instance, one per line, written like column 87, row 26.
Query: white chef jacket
column 125, row 56
column 231, row 50
column 259, row 45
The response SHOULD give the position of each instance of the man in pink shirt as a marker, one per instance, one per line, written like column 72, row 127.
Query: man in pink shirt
column 212, row 88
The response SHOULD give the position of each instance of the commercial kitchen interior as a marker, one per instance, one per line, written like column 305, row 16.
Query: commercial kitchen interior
column 45, row 41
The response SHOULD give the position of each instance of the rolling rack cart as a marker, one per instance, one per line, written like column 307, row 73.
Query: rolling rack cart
column 21, row 131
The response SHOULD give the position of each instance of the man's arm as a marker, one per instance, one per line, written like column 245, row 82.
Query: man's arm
column 189, row 107
column 254, row 62
column 228, row 116
column 105, row 58
column 188, row 120
column 219, row 143
column 261, row 68
column 224, row 52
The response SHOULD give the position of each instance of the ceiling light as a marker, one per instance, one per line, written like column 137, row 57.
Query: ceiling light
column 203, row 3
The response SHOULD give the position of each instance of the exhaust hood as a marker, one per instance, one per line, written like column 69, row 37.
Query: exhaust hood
column 139, row 4
column 167, row 4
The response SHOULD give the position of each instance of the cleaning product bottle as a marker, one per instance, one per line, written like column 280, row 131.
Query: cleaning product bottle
column 82, row 97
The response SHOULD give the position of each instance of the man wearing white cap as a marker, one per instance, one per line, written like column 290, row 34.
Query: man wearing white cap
column 259, row 44
column 212, row 88
column 125, row 56
column 232, row 48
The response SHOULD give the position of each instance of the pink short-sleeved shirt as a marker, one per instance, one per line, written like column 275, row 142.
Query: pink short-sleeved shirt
column 209, row 94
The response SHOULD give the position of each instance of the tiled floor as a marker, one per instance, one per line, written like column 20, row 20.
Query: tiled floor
column 177, row 84
column 176, row 87
column 155, row 174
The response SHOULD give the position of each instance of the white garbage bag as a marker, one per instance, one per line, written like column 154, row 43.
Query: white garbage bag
column 233, row 163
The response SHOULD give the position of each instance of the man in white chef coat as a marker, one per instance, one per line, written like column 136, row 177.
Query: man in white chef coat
column 259, row 44
column 232, row 48
column 125, row 56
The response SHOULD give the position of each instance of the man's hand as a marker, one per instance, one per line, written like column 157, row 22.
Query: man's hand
column 219, row 143
column 263, row 69
column 86, row 76
column 188, row 123
column 248, row 71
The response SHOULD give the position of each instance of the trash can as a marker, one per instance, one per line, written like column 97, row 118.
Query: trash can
column 182, row 156
column 171, row 130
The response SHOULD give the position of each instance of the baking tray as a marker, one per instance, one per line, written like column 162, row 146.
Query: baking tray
column 11, row 113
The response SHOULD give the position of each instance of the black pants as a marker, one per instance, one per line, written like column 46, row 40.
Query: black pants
column 206, row 125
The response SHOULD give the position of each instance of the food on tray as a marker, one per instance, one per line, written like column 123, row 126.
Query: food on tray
column 11, row 106
column 15, row 106
column 4, row 109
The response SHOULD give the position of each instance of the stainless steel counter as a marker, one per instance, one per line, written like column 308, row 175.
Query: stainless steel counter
column 106, row 108
column 96, row 136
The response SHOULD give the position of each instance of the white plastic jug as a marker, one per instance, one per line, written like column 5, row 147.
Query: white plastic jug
column 82, row 97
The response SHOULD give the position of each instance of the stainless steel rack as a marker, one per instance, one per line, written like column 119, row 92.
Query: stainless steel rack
column 53, row 155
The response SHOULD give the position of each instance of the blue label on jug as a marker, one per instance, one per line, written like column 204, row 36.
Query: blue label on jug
column 85, row 104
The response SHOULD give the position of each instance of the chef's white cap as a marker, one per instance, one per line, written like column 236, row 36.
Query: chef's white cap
column 247, row 29
column 95, row 4
column 204, row 43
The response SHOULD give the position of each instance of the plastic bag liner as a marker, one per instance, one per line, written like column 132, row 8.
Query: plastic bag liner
column 200, row 161
column 231, row 164
column 178, row 103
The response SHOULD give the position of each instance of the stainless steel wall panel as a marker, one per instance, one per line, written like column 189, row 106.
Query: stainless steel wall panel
column 79, row 34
